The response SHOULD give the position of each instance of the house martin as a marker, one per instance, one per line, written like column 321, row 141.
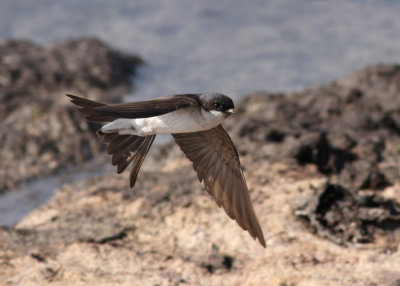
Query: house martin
column 194, row 120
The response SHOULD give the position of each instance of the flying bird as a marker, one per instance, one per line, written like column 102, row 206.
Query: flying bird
column 194, row 120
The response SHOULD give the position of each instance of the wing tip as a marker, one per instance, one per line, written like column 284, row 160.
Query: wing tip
column 257, row 233
column 71, row 96
column 261, row 240
column 132, row 183
column 75, row 99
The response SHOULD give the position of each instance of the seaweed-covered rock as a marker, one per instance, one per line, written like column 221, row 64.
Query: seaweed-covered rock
column 40, row 133
column 339, row 215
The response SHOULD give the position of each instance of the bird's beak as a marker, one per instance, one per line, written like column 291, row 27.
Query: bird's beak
column 230, row 112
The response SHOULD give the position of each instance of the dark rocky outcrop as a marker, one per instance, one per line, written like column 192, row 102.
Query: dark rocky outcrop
column 349, row 131
column 40, row 133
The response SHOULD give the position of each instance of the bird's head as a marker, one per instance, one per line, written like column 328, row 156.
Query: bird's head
column 217, row 103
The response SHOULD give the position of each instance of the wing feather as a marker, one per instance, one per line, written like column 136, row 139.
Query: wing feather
column 149, row 108
column 141, row 155
column 120, row 143
column 124, row 157
column 108, row 137
column 87, row 106
column 101, row 112
column 216, row 161
column 125, row 149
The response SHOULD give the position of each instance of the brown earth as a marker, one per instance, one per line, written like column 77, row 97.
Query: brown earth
column 41, row 132
column 323, row 169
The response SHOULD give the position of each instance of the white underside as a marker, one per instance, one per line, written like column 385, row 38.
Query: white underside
column 185, row 120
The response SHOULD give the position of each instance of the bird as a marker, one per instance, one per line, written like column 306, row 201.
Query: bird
column 194, row 121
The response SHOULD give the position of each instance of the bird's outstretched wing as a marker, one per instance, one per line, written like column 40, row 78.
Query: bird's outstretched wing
column 217, row 164
column 100, row 112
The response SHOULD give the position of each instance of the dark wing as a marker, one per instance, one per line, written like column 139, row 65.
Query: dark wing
column 125, row 149
column 216, row 162
column 87, row 107
column 100, row 112
column 149, row 108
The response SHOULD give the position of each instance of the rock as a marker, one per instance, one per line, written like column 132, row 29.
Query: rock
column 339, row 215
column 338, row 127
column 40, row 133
column 322, row 168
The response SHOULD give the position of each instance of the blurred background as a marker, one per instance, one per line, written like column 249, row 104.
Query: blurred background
column 319, row 142
column 224, row 46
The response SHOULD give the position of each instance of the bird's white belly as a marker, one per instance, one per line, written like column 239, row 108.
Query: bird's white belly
column 180, row 121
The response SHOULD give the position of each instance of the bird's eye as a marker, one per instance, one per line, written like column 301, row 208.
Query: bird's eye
column 217, row 105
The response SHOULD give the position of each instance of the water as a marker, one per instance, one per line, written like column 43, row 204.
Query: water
column 234, row 47
column 16, row 204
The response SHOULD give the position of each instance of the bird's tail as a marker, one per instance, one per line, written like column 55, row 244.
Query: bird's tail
column 87, row 107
